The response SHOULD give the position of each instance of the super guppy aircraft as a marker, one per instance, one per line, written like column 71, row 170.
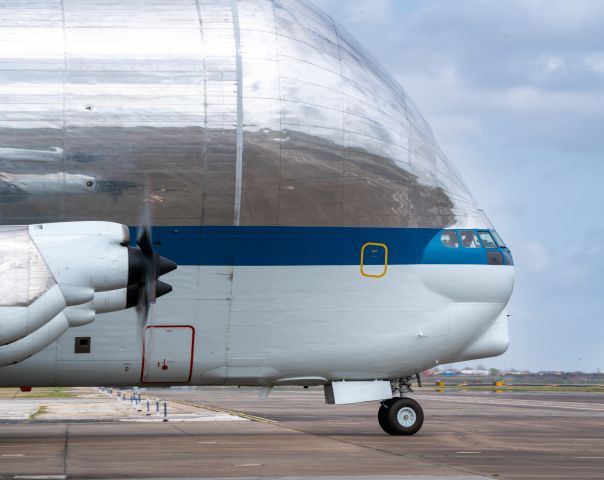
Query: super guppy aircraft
column 321, row 235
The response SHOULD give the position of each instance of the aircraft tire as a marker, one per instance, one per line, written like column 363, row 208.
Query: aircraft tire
column 401, row 416
column 383, row 416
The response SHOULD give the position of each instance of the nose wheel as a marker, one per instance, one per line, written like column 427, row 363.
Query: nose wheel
column 400, row 416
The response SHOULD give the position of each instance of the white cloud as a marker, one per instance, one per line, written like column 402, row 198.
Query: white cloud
column 532, row 256
column 595, row 62
column 553, row 65
column 370, row 12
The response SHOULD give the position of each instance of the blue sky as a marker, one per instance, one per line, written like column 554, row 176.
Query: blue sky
column 514, row 91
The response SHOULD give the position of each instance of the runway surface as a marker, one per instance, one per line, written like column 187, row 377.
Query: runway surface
column 294, row 434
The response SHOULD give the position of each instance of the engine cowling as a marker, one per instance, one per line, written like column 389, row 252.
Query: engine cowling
column 61, row 275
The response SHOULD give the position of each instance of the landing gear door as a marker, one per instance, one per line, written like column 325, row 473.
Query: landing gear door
column 168, row 354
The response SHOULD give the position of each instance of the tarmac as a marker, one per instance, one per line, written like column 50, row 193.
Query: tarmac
column 231, row 433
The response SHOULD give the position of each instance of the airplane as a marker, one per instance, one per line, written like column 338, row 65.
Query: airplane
column 32, row 184
column 275, row 211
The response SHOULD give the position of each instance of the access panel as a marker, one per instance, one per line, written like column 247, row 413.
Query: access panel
column 374, row 260
column 168, row 354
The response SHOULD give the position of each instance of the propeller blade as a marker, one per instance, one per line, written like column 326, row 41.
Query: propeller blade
column 163, row 266
column 162, row 289
column 145, row 267
column 150, row 284
column 144, row 240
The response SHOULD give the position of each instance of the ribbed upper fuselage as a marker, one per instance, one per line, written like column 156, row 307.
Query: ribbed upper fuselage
column 223, row 113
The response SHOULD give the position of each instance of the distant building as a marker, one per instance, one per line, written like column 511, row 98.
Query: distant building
column 474, row 372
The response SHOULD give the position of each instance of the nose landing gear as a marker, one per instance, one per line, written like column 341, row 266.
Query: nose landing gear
column 400, row 416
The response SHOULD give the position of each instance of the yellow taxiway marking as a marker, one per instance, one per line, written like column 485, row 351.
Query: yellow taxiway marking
column 211, row 408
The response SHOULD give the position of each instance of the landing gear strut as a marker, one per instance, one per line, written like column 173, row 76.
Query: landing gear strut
column 401, row 415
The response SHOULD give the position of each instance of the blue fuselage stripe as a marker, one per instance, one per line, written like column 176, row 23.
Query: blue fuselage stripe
column 298, row 246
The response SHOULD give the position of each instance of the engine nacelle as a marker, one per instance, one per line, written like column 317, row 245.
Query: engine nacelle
column 85, row 254
column 57, row 276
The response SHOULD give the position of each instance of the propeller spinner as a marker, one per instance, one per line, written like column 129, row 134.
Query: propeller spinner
column 144, row 269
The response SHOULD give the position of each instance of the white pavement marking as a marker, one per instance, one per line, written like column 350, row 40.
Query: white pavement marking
column 379, row 477
column 187, row 417
column 41, row 477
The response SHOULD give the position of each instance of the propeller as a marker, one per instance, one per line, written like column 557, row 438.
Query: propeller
column 144, row 269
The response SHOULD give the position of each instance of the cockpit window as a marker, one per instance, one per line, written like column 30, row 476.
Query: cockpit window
column 469, row 239
column 498, row 239
column 449, row 238
column 487, row 240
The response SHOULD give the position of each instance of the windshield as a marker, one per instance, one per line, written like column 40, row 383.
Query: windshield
column 469, row 239
column 487, row 240
column 500, row 242
column 449, row 239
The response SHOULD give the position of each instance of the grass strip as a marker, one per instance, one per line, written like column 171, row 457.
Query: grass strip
column 41, row 410
column 51, row 392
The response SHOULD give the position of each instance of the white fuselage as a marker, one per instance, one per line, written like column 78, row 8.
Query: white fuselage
column 287, row 325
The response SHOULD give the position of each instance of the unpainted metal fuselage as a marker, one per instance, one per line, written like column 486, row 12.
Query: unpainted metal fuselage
column 294, row 182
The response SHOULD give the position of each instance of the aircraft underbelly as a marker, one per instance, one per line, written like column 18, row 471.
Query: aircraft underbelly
column 266, row 325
